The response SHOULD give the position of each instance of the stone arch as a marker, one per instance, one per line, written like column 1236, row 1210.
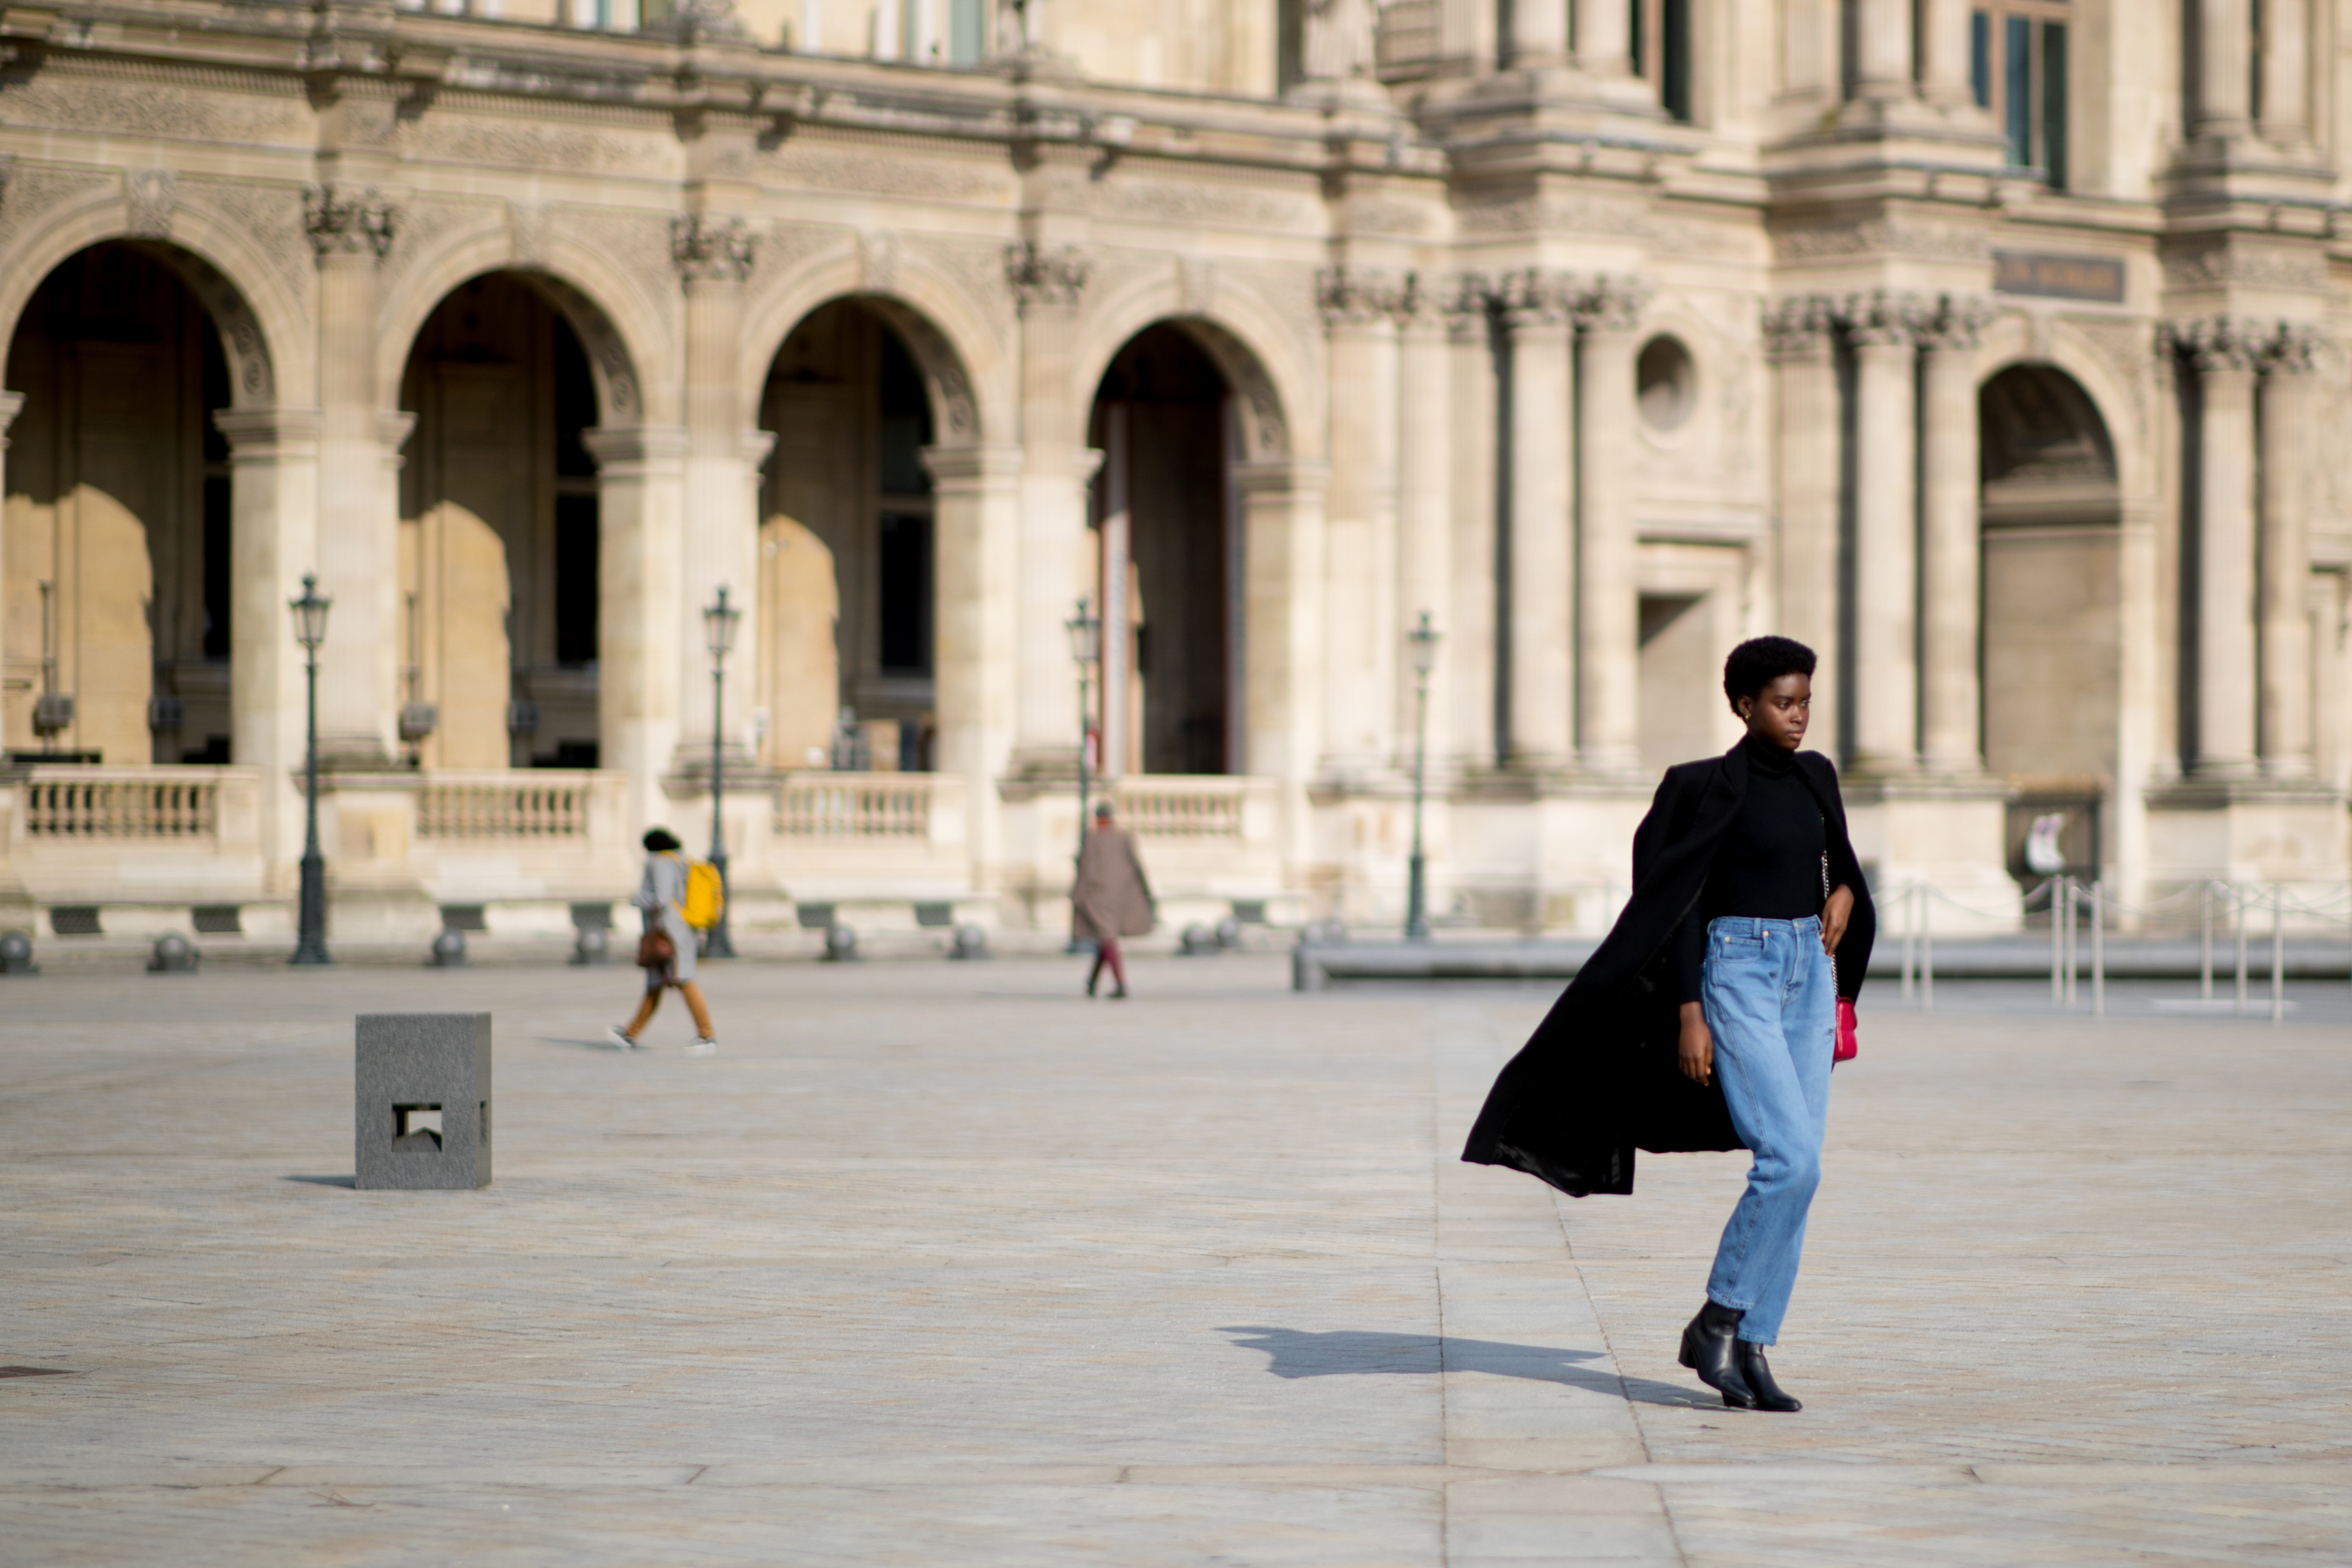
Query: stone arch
column 619, row 328
column 1272, row 391
column 940, row 323
column 2021, row 338
column 259, row 322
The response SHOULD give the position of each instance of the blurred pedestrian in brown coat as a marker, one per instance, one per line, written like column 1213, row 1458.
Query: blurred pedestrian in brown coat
column 1110, row 900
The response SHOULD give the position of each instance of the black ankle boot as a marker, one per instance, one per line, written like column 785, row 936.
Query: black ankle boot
column 1710, row 1349
column 1758, row 1374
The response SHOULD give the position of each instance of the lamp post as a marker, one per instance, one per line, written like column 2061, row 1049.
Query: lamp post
column 1085, row 647
column 1422, row 641
column 310, row 926
column 718, row 623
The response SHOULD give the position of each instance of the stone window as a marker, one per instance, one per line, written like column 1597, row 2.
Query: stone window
column 2018, row 55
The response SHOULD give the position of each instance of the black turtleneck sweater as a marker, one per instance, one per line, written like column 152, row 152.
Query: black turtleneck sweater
column 1769, row 866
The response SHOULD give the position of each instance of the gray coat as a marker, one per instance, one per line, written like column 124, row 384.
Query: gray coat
column 661, row 895
column 1111, row 897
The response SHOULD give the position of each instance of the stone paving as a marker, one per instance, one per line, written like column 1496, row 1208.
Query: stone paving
column 938, row 1264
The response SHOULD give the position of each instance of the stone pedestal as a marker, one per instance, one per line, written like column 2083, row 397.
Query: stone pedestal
column 1949, row 832
column 421, row 1101
column 2294, row 833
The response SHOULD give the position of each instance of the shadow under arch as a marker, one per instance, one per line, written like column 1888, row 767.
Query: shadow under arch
column 620, row 389
column 253, row 375
column 2050, row 652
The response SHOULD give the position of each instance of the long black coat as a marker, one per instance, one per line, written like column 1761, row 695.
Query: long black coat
column 1599, row 1077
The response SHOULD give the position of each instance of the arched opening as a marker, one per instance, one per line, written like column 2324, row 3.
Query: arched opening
column 117, row 516
column 1164, row 515
column 2051, row 654
column 499, row 536
column 847, row 555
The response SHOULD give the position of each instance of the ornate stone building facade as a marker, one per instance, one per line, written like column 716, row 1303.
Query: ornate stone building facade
column 1991, row 348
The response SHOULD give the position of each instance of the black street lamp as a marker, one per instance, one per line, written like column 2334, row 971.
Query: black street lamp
column 718, row 623
column 310, row 926
column 1085, row 647
column 1422, row 641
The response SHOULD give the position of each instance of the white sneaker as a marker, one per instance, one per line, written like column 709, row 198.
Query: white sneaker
column 623, row 1038
column 704, row 1047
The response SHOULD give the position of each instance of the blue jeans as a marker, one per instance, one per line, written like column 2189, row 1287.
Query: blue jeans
column 1771, row 1004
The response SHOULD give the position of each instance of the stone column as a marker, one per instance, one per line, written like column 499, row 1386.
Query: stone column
column 1944, row 53
column 1538, row 565
column 273, row 538
column 2224, row 37
column 720, row 525
column 976, row 508
column 358, row 558
column 1797, row 340
column 1609, row 606
column 1360, row 521
column 2222, row 354
column 1604, row 37
column 1949, row 538
column 11, row 405
column 2286, row 60
column 1475, row 658
column 640, row 533
column 1882, row 36
column 1282, row 613
column 1539, row 33
column 1054, row 467
column 1887, row 521
column 1424, row 558
column 2284, row 422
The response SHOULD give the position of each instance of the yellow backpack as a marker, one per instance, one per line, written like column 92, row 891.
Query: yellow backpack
column 705, row 895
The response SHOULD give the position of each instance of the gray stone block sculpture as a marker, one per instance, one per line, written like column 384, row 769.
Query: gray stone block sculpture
column 421, row 1085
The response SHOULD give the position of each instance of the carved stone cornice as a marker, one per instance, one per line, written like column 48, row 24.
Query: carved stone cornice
column 1884, row 316
column 2293, row 349
column 1357, row 297
column 1956, row 322
column 1041, row 277
column 1612, row 304
column 2211, row 344
column 1468, row 300
column 708, row 248
column 345, row 222
column 1797, row 325
column 1533, row 297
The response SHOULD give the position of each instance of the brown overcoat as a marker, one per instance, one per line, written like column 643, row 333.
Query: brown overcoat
column 1110, row 897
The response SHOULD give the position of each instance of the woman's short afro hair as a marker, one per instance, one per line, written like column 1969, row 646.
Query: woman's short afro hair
column 661, row 840
column 1759, row 662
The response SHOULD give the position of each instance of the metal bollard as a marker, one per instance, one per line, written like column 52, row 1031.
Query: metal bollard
column 1926, row 955
column 1910, row 922
column 2278, row 952
column 2237, row 918
column 2205, row 958
column 840, row 944
column 448, row 949
column 16, row 954
column 1199, row 941
column 2099, row 946
column 174, row 954
column 2057, row 944
column 970, row 944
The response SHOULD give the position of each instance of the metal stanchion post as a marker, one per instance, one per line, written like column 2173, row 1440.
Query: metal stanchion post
column 1927, row 954
column 2278, row 951
column 2057, row 944
column 2098, row 950
column 1910, row 920
column 2238, row 919
column 2205, row 920
column 2073, row 948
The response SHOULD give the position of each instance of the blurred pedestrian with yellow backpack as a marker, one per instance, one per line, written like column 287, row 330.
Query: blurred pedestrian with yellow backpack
column 679, row 899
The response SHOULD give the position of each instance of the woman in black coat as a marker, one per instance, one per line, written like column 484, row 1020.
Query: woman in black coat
column 1707, row 1018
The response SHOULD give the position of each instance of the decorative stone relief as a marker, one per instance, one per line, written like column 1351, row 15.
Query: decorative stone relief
column 817, row 165
column 708, row 248
column 344, row 222
column 32, row 191
column 527, row 232
column 1956, row 322
column 1196, row 284
column 1929, row 237
column 605, row 347
column 150, row 195
column 1534, row 297
column 1797, row 325
column 2212, row 344
column 877, row 261
column 1883, row 316
column 1206, row 201
column 1355, row 297
column 136, row 103
column 269, row 216
column 2247, row 266
column 1612, row 304
column 1041, row 277
column 1469, row 300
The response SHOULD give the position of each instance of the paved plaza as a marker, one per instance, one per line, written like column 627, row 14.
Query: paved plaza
column 938, row 1264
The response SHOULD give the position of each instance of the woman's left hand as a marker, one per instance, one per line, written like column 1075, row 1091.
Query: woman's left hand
column 1837, row 915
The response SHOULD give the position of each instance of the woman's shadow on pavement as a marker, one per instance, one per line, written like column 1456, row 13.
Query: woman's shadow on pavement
column 1359, row 1353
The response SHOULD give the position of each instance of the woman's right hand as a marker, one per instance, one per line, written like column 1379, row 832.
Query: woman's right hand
column 1697, row 1053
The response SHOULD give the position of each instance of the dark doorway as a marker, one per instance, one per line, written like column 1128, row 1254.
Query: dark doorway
column 1162, row 502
